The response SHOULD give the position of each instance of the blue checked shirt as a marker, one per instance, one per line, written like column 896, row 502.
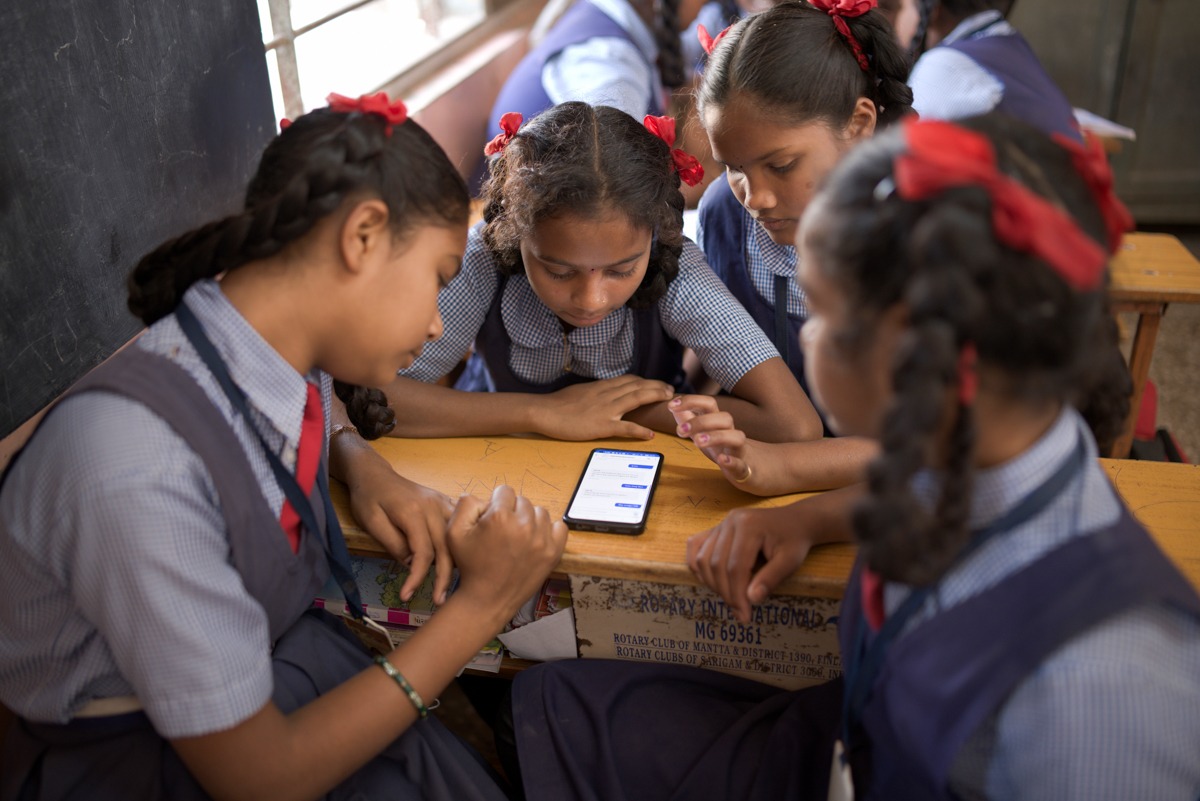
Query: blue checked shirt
column 1113, row 714
column 114, row 560
column 697, row 311
column 764, row 258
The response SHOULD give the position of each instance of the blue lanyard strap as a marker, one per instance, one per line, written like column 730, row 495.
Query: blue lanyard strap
column 336, row 553
column 861, row 677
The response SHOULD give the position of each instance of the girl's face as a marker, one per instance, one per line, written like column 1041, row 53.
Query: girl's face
column 585, row 268
column 774, row 168
column 401, row 314
column 852, row 385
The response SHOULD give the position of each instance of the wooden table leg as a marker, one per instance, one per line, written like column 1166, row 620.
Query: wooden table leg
column 1139, row 371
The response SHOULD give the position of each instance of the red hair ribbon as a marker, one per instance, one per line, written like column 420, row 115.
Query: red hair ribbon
column 942, row 156
column 689, row 169
column 1092, row 163
column 839, row 9
column 509, row 123
column 709, row 43
column 968, row 379
column 284, row 124
column 394, row 112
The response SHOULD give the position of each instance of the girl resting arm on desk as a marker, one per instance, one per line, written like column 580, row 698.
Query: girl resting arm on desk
column 1010, row 631
column 785, row 95
column 164, row 533
column 580, row 293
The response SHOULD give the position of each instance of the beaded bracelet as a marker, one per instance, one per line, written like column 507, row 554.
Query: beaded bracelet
column 398, row 677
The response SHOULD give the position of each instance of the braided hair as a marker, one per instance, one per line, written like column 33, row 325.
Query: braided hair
column 792, row 60
column 671, row 66
column 585, row 160
column 306, row 173
column 941, row 258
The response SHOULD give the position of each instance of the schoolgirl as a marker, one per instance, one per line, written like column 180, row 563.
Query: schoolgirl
column 786, row 93
column 580, row 293
column 621, row 53
column 1010, row 631
column 165, row 530
column 777, row 138
column 973, row 61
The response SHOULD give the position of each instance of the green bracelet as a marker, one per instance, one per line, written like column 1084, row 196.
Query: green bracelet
column 398, row 677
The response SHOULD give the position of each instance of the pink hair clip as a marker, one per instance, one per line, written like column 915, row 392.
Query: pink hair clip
column 510, row 123
column 689, row 169
column 709, row 43
column 395, row 112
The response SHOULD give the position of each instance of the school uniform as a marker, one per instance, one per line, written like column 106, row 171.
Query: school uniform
column 142, row 558
column 1059, row 660
column 715, row 17
column 599, row 52
column 985, row 65
column 759, row 272
column 525, row 349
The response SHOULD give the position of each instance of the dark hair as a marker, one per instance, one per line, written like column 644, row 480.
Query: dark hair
column 792, row 59
column 671, row 68
column 941, row 258
column 306, row 173
column 578, row 159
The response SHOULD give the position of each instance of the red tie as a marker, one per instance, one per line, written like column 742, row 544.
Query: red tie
column 872, row 598
column 308, row 458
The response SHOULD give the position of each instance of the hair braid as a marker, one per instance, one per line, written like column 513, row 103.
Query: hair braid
column 272, row 218
column 367, row 409
column 670, row 48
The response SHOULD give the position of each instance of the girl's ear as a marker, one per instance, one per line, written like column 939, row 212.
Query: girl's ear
column 364, row 230
column 862, row 121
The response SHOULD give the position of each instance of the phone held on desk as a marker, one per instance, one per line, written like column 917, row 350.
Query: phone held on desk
column 614, row 492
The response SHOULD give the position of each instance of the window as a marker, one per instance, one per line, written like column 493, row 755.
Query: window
column 353, row 47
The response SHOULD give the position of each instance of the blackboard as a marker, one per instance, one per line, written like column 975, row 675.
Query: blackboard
column 125, row 122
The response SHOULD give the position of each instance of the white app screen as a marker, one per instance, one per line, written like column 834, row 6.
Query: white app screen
column 616, row 487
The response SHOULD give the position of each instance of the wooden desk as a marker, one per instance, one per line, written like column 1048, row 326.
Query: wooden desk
column 636, row 598
column 692, row 495
column 1150, row 272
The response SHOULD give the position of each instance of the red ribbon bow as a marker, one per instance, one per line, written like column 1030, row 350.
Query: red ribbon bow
column 284, row 124
column 689, row 169
column 1092, row 163
column 509, row 123
column 395, row 112
column 942, row 156
column 847, row 8
column 709, row 43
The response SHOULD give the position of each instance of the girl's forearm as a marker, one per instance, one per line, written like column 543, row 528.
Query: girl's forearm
column 821, row 464
column 430, row 410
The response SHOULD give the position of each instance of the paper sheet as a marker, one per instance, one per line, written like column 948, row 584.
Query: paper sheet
column 552, row 637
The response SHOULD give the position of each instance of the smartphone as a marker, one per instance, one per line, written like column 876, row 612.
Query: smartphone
column 614, row 492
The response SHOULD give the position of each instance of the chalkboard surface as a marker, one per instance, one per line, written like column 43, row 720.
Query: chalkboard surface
column 125, row 122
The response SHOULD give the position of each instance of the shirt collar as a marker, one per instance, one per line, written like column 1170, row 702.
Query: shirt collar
column 775, row 258
column 972, row 25
column 272, row 386
column 535, row 326
column 624, row 15
column 997, row 489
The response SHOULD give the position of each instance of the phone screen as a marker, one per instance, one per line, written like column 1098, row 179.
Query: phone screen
column 614, row 492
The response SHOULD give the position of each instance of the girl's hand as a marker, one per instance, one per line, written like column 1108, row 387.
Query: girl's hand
column 504, row 548
column 747, row 464
column 724, row 557
column 407, row 519
column 593, row 410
